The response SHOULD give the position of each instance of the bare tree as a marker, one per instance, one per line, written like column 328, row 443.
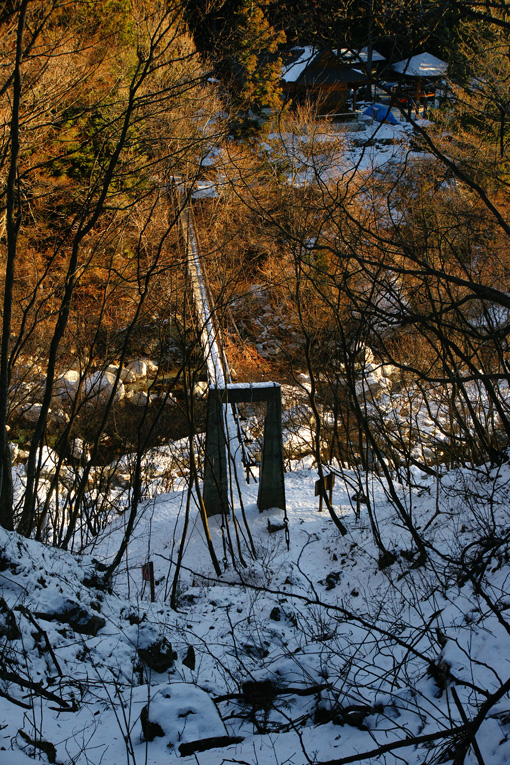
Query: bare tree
column 97, row 120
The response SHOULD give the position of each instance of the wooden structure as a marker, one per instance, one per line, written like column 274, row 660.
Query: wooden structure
column 419, row 78
column 271, row 484
column 359, row 59
column 321, row 77
column 323, row 487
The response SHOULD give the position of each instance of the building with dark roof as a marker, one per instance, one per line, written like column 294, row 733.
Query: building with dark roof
column 321, row 77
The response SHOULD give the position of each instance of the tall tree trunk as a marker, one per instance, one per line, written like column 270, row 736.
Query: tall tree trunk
column 13, row 220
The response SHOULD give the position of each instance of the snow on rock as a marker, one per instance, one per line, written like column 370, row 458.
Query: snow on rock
column 181, row 713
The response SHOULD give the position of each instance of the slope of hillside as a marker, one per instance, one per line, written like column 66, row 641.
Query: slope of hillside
column 313, row 653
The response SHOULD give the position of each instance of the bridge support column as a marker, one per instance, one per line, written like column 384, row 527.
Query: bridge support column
column 215, row 469
column 271, row 485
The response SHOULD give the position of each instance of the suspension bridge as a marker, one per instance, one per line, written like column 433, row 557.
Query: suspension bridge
column 226, row 456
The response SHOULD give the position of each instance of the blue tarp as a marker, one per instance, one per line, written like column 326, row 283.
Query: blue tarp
column 381, row 113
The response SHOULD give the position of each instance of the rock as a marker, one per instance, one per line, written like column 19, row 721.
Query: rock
column 159, row 655
column 8, row 626
column 125, row 376
column 150, row 730
column 272, row 527
column 97, row 577
column 78, row 450
column 138, row 398
column 152, row 368
column 294, row 395
column 49, row 463
column 363, row 356
column 100, row 385
column 332, row 580
column 57, row 418
column 190, row 660
column 392, row 372
column 66, row 386
column 77, row 617
column 83, row 622
column 372, row 386
column 255, row 650
column 32, row 412
column 200, row 389
column 184, row 714
column 120, row 480
column 138, row 368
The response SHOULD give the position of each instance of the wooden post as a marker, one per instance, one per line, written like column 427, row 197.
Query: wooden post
column 319, row 491
column 148, row 576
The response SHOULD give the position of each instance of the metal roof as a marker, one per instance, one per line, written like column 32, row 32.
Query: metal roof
column 422, row 65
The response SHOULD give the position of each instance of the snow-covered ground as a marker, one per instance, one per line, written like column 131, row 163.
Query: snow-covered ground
column 315, row 652
column 310, row 647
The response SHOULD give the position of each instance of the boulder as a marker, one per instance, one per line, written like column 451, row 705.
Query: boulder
column 158, row 655
column 152, row 368
column 57, row 417
column 31, row 413
column 372, row 386
column 126, row 375
column 99, row 385
column 363, row 356
column 392, row 372
column 138, row 369
column 78, row 450
column 66, row 386
column 182, row 714
column 76, row 616
column 138, row 398
column 14, row 451
column 200, row 389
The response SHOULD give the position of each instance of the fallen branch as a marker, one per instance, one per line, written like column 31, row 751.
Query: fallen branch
column 308, row 691
column 402, row 744
column 11, row 677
